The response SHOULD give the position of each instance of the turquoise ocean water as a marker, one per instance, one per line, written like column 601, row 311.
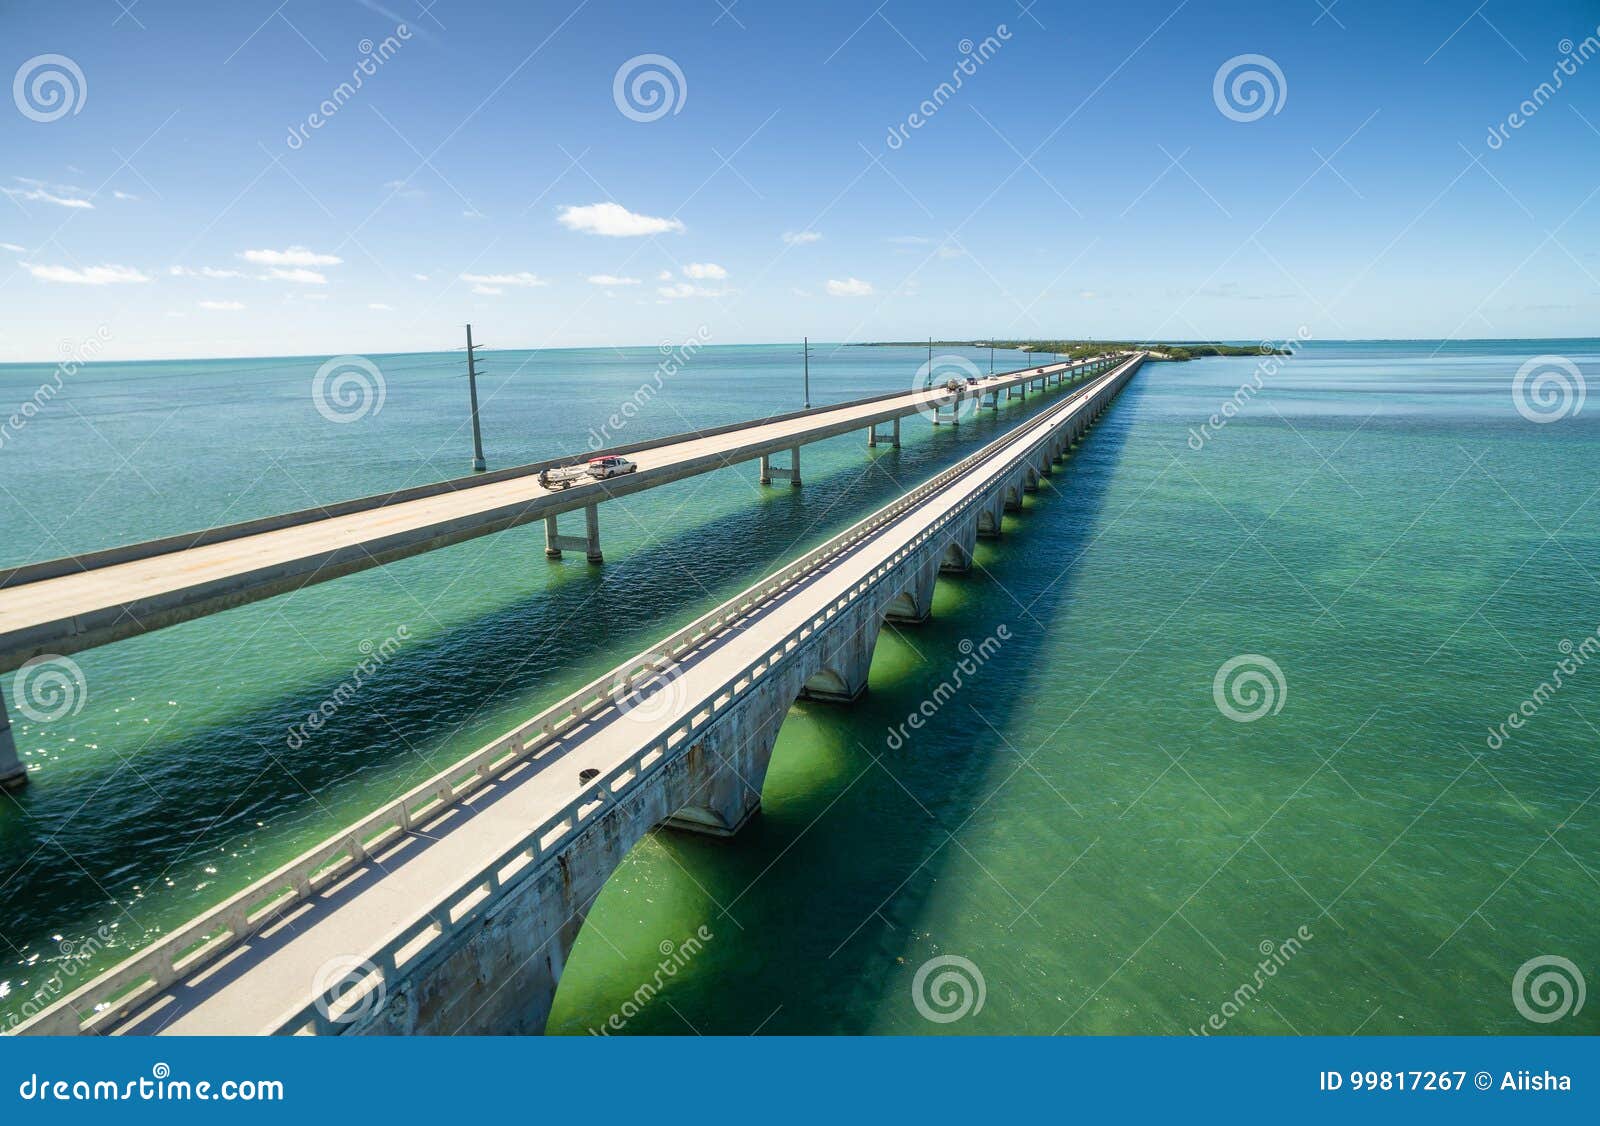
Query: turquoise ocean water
column 1390, row 555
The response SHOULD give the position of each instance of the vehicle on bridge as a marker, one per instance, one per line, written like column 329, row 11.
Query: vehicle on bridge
column 602, row 467
column 565, row 476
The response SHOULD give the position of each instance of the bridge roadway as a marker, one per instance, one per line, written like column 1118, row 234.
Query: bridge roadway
column 61, row 606
column 64, row 605
column 389, row 893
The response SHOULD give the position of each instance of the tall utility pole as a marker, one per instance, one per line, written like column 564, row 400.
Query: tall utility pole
column 807, row 349
column 991, row 356
column 928, row 382
column 478, row 464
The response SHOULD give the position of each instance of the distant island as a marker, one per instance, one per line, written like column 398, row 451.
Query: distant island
column 1177, row 351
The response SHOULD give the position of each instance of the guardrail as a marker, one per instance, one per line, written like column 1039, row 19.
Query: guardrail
column 115, row 994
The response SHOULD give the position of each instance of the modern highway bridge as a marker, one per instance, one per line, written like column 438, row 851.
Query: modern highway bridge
column 454, row 908
column 65, row 605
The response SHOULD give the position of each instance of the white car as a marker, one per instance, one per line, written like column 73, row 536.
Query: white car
column 612, row 466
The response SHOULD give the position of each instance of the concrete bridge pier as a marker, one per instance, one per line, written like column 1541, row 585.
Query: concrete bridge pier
column 588, row 543
column 791, row 471
column 957, row 557
column 893, row 437
column 729, row 767
column 989, row 516
column 13, row 775
column 1030, row 480
column 990, row 399
column 845, row 661
column 914, row 605
column 1012, row 493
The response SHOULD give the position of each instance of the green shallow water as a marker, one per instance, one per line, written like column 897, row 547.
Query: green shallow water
column 1080, row 822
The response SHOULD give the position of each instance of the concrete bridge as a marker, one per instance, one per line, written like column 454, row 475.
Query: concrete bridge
column 65, row 605
column 454, row 908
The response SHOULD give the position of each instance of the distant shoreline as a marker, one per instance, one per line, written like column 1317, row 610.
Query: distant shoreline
column 1177, row 351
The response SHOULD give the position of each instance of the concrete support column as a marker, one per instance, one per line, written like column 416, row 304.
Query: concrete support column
column 844, row 663
column 1030, row 480
column 914, row 605
column 588, row 543
column 13, row 775
column 893, row 437
column 1012, row 491
column 990, row 515
column 790, row 471
column 957, row 557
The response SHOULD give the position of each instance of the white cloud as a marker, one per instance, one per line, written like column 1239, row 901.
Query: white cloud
column 221, row 306
column 487, row 290
column 611, row 279
column 404, row 190
column 420, row 277
column 91, row 275
column 800, row 238
column 1088, row 295
column 293, row 256
column 123, row 195
column 947, row 251
column 40, row 195
column 850, row 287
column 380, row 307
column 615, row 221
column 664, row 275
column 800, row 292
column 493, row 283
column 298, row 276
column 702, row 271
column 688, row 289
column 472, row 213
column 204, row 272
column 13, row 247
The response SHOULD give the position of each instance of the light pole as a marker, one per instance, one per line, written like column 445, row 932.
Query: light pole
column 478, row 464
column 807, row 376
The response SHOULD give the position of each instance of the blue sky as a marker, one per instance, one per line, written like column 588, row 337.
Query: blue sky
column 1083, row 181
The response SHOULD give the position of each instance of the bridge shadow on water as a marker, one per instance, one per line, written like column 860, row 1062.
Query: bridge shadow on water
column 186, row 826
column 814, row 911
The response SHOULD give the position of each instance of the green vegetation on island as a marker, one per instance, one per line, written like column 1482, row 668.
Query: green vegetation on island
column 1079, row 349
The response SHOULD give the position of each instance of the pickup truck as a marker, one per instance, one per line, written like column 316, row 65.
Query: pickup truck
column 565, row 476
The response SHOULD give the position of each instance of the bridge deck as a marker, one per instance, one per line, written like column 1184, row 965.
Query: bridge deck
column 263, row 983
column 61, row 607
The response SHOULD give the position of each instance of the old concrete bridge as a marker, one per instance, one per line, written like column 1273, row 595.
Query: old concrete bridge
column 65, row 605
column 454, row 908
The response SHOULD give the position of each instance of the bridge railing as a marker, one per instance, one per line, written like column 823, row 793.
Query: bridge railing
column 132, row 982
